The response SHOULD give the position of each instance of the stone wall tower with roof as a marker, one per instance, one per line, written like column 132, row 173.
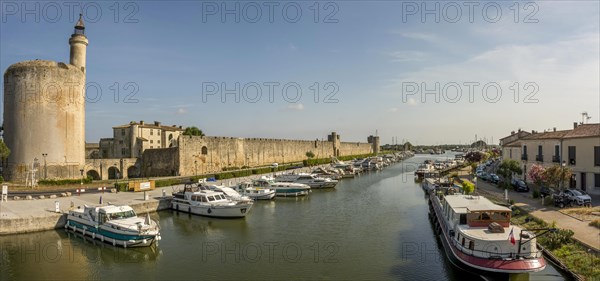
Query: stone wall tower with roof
column 44, row 115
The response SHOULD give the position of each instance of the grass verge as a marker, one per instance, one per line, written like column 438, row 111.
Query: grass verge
column 573, row 255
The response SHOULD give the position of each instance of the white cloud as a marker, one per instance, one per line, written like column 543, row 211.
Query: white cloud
column 406, row 56
column 419, row 36
column 181, row 111
column 296, row 106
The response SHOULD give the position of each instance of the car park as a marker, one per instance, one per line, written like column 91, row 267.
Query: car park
column 520, row 186
column 547, row 191
column 484, row 176
column 493, row 178
column 577, row 197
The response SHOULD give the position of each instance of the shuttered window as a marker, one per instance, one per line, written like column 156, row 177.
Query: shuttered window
column 572, row 155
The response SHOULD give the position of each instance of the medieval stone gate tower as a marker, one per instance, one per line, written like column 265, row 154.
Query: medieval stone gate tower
column 44, row 114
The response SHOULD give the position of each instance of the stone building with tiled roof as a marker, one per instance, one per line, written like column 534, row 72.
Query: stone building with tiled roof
column 130, row 141
column 578, row 149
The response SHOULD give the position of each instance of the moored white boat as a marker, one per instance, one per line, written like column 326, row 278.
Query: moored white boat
column 116, row 225
column 283, row 189
column 209, row 203
column 307, row 179
column 255, row 192
column 478, row 234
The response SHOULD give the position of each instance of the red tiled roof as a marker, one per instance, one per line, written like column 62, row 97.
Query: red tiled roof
column 585, row 130
column 547, row 135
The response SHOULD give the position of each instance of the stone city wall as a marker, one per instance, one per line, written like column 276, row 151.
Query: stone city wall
column 199, row 155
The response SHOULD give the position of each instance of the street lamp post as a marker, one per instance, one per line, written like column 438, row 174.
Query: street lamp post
column 116, row 177
column 81, row 171
column 562, row 172
column 45, row 167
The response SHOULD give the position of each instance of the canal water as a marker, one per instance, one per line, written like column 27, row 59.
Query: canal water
column 371, row 227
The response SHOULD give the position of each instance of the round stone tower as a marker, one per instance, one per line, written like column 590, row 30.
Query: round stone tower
column 44, row 115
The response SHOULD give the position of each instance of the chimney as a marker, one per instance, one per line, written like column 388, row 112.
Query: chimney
column 141, row 122
column 533, row 131
column 554, row 129
column 512, row 132
column 156, row 123
column 574, row 125
column 519, row 130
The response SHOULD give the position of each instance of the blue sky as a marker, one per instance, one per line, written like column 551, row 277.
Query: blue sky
column 369, row 54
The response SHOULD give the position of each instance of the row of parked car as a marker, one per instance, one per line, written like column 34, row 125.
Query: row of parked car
column 517, row 184
column 564, row 198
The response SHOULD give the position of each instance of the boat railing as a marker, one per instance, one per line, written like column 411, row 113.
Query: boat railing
column 495, row 254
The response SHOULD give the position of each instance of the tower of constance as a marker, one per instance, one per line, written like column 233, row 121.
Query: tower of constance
column 44, row 115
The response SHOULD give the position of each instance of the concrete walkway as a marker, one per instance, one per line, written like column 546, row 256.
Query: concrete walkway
column 584, row 233
column 22, row 216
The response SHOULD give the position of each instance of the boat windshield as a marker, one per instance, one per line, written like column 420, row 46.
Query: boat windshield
column 121, row 215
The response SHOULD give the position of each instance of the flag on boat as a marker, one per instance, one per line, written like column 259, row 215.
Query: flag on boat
column 511, row 236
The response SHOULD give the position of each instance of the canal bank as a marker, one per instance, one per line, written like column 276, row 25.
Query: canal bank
column 373, row 227
column 25, row 216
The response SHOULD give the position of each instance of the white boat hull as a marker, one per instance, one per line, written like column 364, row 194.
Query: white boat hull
column 109, row 235
column 216, row 211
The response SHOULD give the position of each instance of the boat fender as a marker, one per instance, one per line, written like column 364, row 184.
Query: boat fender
column 209, row 211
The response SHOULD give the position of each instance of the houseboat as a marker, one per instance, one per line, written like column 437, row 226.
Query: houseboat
column 477, row 233
column 116, row 225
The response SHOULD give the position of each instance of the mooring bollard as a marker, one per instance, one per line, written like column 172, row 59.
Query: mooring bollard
column 145, row 196
column 100, row 202
column 164, row 193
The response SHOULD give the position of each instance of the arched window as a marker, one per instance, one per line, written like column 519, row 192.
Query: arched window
column 204, row 150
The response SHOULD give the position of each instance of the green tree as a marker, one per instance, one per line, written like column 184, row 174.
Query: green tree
column 507, row 168
column 556, row 175
column 193, row 131
column 468, row 187
column 310, row 154
column 4, row 153
column 473, row 166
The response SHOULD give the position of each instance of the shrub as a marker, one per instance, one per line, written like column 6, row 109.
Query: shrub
column 122, row 186
column 167, row 182
column 1, row 179
column 230, row 169
column 536, row 194
column 223, row 176
column 595, row 223
column 556, row 239
column 65, row 182
column 468, row 187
